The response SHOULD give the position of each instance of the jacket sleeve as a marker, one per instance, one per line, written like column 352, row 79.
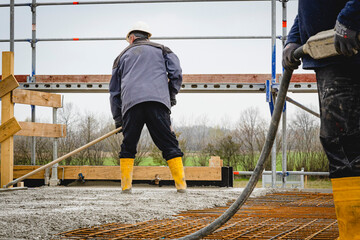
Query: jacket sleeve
column 350, row 15
column 294, row 34
column 174, row 73
column 115, row 95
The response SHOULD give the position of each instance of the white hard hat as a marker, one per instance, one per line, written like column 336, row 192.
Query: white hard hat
column 139, row 26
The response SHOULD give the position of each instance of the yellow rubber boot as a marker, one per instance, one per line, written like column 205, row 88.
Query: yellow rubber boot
column 126, row 169
column 346, row 193
column 177, row 172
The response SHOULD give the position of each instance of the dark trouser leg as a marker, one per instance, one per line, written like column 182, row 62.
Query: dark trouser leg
column 339, row 97
column 158, row 123
column 133, row 123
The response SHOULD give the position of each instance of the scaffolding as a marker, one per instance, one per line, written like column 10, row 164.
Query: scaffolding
column 269, row 87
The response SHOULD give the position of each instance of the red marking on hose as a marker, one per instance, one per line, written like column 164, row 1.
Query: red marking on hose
column 76, row 39
column 284, row 24
column 75, row 3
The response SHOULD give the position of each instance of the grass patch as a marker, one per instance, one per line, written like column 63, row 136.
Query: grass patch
column 310, row 183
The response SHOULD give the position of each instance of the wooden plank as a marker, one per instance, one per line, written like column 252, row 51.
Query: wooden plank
column 148, row 173
column 42, row 129
column 36, row 98
column 187, row 78
column 215, row 161
column 21, row 170
column 200, row 173
column 7, row 85
column 72, row 78
column 9, row 128
column 19, row 78
column 7, row 112
column 113, row 172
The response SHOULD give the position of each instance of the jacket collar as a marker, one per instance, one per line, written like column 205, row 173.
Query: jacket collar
column 140, row 40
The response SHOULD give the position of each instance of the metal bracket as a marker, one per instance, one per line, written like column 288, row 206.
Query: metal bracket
column 33, row 7
column 30, row 79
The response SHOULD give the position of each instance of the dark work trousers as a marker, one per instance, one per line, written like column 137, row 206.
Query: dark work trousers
column 156, row 116
column 339, row 97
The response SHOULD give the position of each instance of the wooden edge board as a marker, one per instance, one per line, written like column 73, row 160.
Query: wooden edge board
column 9, row 128
column 187, row 78
column 113, row 172
column 42, row 129
column 37, row 98
column 7, row 85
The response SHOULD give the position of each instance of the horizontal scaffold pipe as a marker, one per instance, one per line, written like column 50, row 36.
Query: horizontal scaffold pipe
column 302, row 107
column 153, row 38
column 124, row 2
column 287, row 173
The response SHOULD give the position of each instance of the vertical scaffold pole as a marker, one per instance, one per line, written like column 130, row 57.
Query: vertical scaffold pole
column 54, row 181
column 273, row 79
column 284, row 120
column 33, row 72
column 12, row 25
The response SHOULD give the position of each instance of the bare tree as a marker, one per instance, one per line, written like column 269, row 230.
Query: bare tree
column 22, row 152
column 69, row 116
column 250, row 133
column 306, row 151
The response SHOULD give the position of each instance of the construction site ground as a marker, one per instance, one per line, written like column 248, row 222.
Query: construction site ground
column 44, row 212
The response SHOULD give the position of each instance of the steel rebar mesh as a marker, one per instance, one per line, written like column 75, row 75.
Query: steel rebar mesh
column 287, row 215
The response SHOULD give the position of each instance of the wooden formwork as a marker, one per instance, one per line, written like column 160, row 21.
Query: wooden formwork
column 10, row 126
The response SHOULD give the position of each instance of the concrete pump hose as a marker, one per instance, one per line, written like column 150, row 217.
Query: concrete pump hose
column 265, row 152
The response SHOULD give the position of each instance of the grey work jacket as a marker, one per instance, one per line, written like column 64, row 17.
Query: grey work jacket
column 144, row 71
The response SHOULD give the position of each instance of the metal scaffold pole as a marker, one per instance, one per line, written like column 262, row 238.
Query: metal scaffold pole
column 153, row 38
column 127, row 2
column 284, row 117
column 33, row 72
column 273, row 79
column 12, row 25
column 54, row 181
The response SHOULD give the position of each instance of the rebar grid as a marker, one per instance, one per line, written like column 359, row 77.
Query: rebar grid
column 287, row 215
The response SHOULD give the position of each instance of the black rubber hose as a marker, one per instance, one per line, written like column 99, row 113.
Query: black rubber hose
column 265, row 152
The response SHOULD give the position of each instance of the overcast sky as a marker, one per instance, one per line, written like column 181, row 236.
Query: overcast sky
column 165, row 19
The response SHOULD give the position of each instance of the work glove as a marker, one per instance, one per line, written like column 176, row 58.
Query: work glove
column 118, row 124
column 289, row 62
column 172, row 100
column 346, row 40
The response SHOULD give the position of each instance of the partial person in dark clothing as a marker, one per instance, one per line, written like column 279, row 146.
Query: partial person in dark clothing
column 338, row 80
column 145, row 79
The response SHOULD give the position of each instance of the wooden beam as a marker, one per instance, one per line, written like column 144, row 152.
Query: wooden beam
column 7, row 112
column 187, row 78
column 19, row 78
column 42, row 129
column 36, row 98
column 9, row 128
column 7, row 85
column 113, row 172
column 73, row 78
column 20, row 170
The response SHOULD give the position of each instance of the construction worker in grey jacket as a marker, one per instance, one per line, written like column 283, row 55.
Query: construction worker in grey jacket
column 146, row 77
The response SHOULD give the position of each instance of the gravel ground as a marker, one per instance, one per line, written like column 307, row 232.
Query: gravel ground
column 39, row 213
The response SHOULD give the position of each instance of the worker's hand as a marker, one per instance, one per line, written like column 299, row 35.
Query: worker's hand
column 172, row 100
column 289, row 62
column 118, row 124
column 346, row 40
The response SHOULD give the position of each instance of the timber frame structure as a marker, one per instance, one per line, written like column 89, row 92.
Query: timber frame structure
column 192, row 83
